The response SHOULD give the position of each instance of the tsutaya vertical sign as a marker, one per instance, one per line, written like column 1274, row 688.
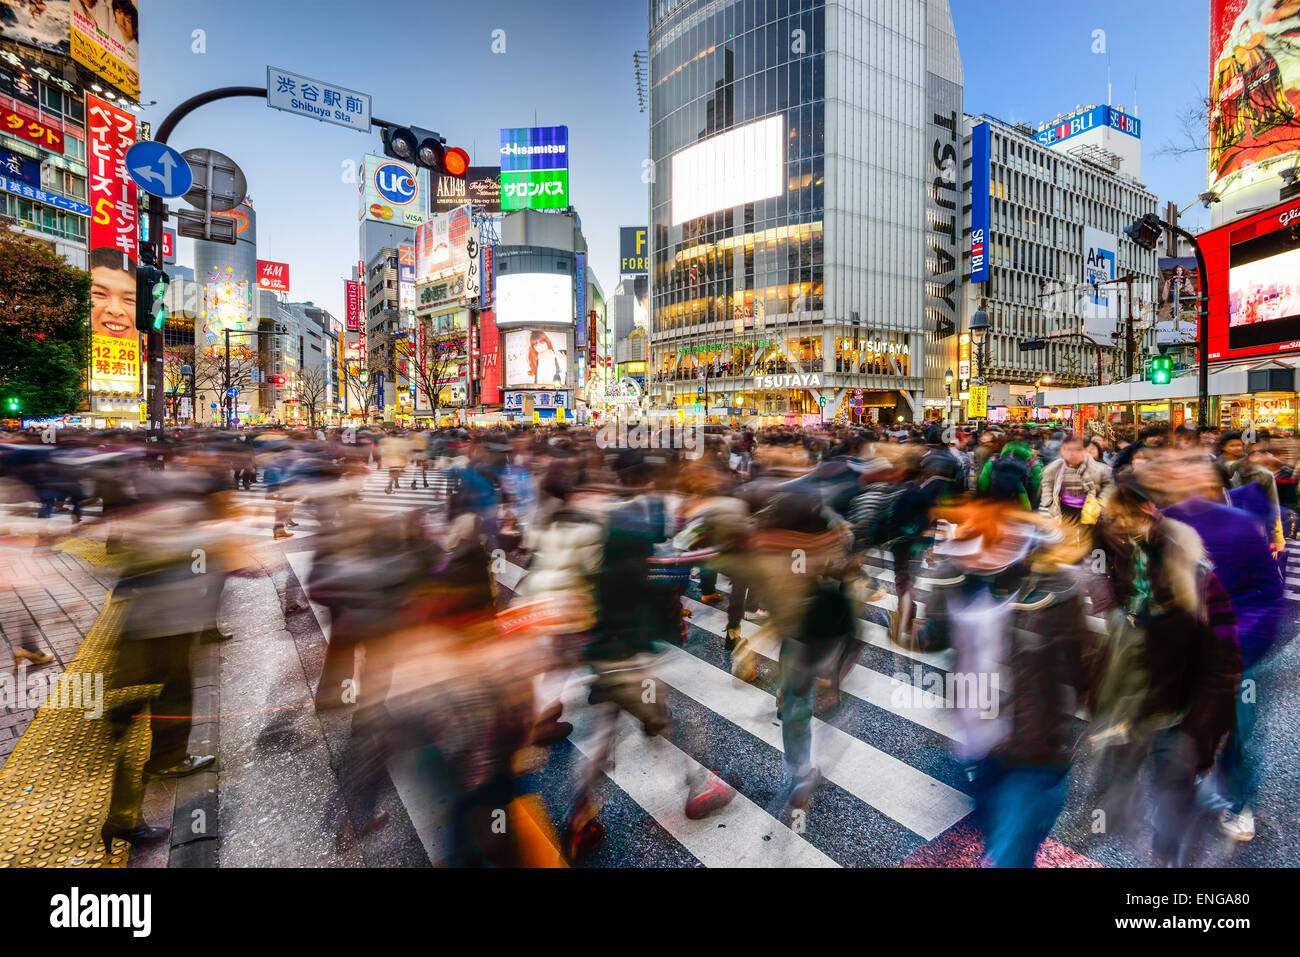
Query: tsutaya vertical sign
column 943, row 207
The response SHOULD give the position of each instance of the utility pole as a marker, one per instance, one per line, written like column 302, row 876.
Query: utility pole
column 1128, row 329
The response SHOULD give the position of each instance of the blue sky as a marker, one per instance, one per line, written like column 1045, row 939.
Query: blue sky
column 431, row 63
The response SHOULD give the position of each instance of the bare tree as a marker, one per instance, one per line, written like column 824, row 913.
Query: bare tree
column 429, row 369
column 362, row 384
column 312, row 393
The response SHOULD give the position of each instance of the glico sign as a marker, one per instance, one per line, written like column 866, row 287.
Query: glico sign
column 1254, row 284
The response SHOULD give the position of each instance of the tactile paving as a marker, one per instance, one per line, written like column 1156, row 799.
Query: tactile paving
column 56, row 785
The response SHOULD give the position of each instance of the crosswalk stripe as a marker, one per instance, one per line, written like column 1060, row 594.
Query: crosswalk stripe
column 896, row 789
column 653, row 773
column 912, row 798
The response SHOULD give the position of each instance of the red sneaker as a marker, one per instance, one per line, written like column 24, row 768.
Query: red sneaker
column 713, row 796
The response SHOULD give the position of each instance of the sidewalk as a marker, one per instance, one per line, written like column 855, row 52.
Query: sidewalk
column 57, row 756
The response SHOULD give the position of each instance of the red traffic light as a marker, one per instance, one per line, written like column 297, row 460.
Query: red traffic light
column 455, row 161
column 277, row 380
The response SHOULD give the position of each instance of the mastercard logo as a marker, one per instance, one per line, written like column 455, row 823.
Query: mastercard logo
column 380, row 211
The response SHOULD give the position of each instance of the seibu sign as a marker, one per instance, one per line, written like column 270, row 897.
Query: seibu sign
column 274, row 276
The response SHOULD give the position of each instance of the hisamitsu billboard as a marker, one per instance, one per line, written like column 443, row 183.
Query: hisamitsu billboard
column 633, row 251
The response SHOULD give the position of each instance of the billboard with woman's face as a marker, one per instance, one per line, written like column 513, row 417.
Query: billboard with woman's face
column 537, row 358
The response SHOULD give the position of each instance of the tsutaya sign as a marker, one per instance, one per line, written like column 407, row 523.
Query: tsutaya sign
column 811, row 380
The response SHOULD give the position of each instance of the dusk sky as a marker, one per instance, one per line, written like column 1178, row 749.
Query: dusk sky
column 569, row 62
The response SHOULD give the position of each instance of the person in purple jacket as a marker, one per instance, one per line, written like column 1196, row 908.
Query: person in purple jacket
column 1236, row 542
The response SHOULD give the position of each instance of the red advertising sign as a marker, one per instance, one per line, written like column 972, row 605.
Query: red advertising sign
column 274, row 276
column 490, row 359
column 1254, row 284
column 110, row 191
column 421, row 359
column 31, row 130
column 352, row 301
column 169, row 246
column 489, row 275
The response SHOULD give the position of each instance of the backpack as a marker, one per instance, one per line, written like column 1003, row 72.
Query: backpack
column 1009, row 478
column 870, row 514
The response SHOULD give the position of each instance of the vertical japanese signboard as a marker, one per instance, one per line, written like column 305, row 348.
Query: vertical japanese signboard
column 114, row 249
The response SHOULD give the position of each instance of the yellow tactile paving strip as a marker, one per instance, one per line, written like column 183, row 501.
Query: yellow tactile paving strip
column 92, row 551
column 56, row 785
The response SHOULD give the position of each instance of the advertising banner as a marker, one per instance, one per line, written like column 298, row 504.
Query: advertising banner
column 115, row 362
column 441, row 244
column 1101, row 304
column 273, row 276
column 1254, row 83
column 352, row 302
column 17, row 167
column 34, row 131
column 535, row 168
column 979, row 203
column 537, row 357
column 46, row 26
column 1096, row 118
column 114, row 248
column 489, row 276
column 489, row 359
column 105, row 40
column 481, row 186
column 406, row 277
column 392, row 192
column 632, row 251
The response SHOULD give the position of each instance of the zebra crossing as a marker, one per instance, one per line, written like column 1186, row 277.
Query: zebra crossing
column 890, row 782
column 257, row 510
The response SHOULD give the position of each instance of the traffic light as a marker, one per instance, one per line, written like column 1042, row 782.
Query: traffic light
column 277, row 380
column 1160, row 370
column 150, row 295
column 13, row 405
column 1146, row 232
column 412, row 144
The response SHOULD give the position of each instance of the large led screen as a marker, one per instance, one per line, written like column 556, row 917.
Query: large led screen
column 534, row 299
column 740, row 166
column 1264, row 289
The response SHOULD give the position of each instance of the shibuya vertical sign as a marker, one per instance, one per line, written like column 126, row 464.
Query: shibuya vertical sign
column 943, row 206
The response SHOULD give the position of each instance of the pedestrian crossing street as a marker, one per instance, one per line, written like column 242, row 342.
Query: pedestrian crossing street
column 890, row 782
column 258, row 511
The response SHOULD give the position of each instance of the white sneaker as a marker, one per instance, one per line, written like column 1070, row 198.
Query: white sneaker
column 758, row 614
column 1239, row 827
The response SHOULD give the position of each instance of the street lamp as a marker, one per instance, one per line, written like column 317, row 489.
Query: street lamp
column 947, row 391
column 979, row 333
column 188, row 371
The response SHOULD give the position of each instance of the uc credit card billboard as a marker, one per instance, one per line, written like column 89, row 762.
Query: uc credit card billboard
column 392, row 192
column 535, row 168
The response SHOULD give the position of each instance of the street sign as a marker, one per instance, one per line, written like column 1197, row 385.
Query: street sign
column 317, row 100
column 977, row 405
column 232, row 392
column 857, row 393
column 218, row 181
column 1032, row 345
column 159, row 170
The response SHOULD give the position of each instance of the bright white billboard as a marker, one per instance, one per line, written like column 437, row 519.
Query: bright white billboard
column 731, row 169
column 534, row 298
column 1101, row 303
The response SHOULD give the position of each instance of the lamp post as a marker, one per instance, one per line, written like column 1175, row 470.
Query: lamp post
column 947, row 391
column 188, row 371
column 979, row 333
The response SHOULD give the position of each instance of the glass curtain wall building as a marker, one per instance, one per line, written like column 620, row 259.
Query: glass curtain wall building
column 805, row 207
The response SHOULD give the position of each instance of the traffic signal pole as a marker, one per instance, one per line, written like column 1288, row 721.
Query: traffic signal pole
column 151, row 252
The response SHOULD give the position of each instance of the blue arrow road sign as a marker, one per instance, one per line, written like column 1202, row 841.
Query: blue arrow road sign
column 232, row 392
column 159, row 169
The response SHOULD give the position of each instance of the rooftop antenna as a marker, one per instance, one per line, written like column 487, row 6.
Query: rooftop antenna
column 1135, row 95
column 1110, row 101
